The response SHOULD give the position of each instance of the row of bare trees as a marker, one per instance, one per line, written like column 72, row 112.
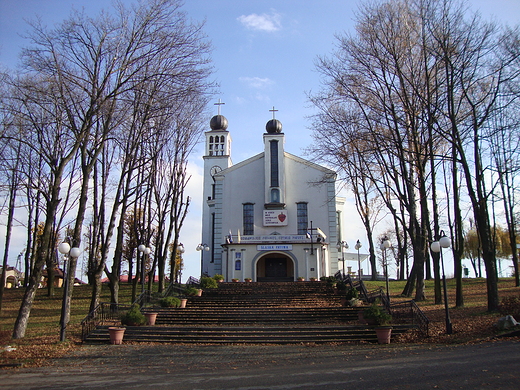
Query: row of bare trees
column 419, row 110
column 97, row 127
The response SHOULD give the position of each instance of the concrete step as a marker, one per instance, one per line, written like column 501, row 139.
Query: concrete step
column 241, row 334
column 258, row 315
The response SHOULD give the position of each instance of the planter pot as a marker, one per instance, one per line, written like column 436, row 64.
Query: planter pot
column 383, row 334
column 199, row 293
column 150, row 318
column 248, row 280
column 116, row 335
column 183, row 302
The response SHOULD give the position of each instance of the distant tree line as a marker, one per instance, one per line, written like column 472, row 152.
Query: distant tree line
column 96, row 130
column 419, row 112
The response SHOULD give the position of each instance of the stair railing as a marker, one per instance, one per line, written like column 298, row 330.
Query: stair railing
column 173, row 288
column 103, row 313
column 193, row 281
column 409, row 312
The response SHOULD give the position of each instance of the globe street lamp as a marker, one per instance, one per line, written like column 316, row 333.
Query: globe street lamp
column 358, row 246
column 145, row 252
column 436, row 246
column 65, row 249
column 341, row 246
column 202, row 247
column 385, row 244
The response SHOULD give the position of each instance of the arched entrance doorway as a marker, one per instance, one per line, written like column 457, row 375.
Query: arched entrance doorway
column 275, row 267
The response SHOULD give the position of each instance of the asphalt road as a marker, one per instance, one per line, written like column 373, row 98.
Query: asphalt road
column 491, row 365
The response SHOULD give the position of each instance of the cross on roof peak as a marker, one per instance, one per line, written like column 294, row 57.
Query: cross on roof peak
column 218, row 104
column 273, row 111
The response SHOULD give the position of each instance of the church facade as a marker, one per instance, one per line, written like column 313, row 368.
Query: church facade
column 272, row 217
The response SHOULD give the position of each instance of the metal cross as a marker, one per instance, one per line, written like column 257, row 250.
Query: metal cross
column 273, row 111
column 219, row 104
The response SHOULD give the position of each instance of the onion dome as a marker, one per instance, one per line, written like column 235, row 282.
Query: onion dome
column 218, row 122
column 274, row 126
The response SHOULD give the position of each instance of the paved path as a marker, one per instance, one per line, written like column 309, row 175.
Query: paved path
column 492, row 365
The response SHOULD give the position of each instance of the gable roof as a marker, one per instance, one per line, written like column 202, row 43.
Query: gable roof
column 290, row 156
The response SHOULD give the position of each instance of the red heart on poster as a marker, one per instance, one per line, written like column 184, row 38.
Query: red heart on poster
column 282, row 217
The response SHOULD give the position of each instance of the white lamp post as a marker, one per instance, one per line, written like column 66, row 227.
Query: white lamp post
column 201, row 248
column 436, row 246
column 65, row 249
column 342, row 245
column 385, row 244
column 145, row 252
column 358, row 246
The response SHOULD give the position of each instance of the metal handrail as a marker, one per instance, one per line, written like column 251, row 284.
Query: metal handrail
column 103, row 313
column 173, row 287
column 144, row 297
column 110, row 312
column 408, row 311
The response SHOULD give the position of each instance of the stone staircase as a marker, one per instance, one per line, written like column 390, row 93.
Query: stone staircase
column 281, row 313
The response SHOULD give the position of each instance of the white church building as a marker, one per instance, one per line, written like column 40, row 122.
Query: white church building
column 272, row 217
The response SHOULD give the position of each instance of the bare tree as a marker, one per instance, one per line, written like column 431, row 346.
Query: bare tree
column 82, row 72
column 426, row 80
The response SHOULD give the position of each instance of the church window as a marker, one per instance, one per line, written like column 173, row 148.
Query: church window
column 302, row 217
column 210, row 140
column 248, row 219
column 274, row 163
column 275, row 195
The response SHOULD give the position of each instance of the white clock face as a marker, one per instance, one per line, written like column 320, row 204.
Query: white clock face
column 214, row 170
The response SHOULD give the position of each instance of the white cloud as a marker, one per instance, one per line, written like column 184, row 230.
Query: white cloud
column 257, row 82
column 264, row 22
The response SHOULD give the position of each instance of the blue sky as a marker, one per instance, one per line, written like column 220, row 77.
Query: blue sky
column 263, row 53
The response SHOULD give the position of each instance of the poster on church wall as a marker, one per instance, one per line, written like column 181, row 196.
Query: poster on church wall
column 275, row 218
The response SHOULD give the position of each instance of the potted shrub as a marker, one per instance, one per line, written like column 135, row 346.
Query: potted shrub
column 207, row 282
column 219, row 278
column 352, row 298
column 248, row 280
column 300, row 279
column 235, row 280
column 133, row 317
column 192, row 291
column 330, row 280
column 341, row 288
column 313, row 279
column 170, row 302
column 375, row 315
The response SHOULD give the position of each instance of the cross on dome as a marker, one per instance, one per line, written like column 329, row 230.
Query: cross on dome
column 218, row 104
column 273, row 111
